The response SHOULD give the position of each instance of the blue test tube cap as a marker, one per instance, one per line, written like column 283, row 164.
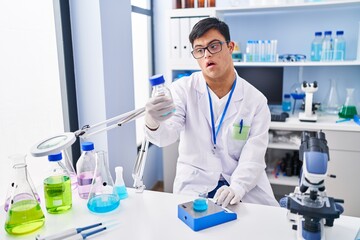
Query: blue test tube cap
column 157, row 79
column 55, row 157
column 87, row 146
column 318, row 34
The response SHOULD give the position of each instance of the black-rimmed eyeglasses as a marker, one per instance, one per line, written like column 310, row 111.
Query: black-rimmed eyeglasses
column 213, row 48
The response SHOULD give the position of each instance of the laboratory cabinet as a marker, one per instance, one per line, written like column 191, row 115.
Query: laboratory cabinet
column 293, row 26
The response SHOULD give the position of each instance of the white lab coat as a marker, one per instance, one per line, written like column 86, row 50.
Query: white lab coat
column 240, row 162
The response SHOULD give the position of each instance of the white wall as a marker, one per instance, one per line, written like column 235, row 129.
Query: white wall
column 30, row 98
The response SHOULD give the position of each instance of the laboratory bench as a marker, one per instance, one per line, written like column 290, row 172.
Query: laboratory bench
column 153, row 215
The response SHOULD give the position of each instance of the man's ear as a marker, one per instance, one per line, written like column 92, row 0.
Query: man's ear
column 231, row 46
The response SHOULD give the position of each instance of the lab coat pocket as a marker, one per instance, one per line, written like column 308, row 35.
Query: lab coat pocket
column 240, row 131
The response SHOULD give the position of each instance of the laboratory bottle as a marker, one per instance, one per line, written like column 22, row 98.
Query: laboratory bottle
column 70, row 168
column 159, row 89
column 120, row 187
column 85, row 168
column 286, row 104
column 331, row 104
column 316, row 46
column 103, row 197
column 327, row 47
column 16, row 160
column 348, row 109
column 24, row 213
column 339, row 46
column 57, row 186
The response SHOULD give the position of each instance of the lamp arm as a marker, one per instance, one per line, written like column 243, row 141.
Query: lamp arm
column 88, row 130
column 139, row 166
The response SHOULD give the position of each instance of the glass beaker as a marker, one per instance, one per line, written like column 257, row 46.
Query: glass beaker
column 348, row 110
column 57, row 186
column 24, row 212
column 331, row 103
column 102, row 197
column 70, row 168
column 17, row 159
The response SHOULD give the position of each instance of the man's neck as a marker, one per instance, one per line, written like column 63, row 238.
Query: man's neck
column 222, row 86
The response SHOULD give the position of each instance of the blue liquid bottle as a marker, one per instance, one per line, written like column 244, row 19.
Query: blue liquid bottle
column 286, row 104
column 327, row 47
column 102, row 197
column 316, row 47
column 339, row 46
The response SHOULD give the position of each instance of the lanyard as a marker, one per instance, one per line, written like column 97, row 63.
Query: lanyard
column 214, row 134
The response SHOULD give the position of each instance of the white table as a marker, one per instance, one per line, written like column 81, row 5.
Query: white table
column 153, row 215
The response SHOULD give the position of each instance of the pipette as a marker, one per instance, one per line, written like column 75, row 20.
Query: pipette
column 71, row 232
column 81, row 236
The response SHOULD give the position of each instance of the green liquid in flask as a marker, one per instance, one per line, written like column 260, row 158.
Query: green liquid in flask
column 24, row 217
column 347, row 111
column 57, row 190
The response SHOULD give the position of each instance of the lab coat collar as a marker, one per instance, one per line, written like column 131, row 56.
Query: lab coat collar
column 237, row 96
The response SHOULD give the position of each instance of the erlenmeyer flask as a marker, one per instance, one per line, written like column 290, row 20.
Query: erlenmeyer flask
column 331, row 104
column 17, row 159
column 70, row 168
column 24, row 214
column 348, row 110
column 102, row 197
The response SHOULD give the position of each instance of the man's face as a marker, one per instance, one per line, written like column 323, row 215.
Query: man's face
column 214, row 65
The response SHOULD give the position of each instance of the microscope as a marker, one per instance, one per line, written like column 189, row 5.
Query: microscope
column 309, row 206
column 309, row 115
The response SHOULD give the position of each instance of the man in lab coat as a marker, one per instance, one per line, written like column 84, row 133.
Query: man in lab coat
column 222, row 122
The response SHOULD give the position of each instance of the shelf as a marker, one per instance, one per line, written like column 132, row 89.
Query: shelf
column 287, row 6
column 285, row 146
column 268, row 7
column 193, row 12
column 297, row 64
column 283, row 180
column 324, row 122
column 182, row 66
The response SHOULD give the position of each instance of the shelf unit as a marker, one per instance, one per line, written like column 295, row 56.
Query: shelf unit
column 190, row 66
column 343, row 138
column 297, row 6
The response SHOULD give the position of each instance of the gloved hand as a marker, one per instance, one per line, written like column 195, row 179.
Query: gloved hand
column 225, row 195
column 158, row 109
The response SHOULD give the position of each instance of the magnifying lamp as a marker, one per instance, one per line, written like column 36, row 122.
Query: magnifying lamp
column 55, row 144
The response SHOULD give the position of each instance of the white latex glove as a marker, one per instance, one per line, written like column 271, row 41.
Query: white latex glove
column 157, row 110
column 225, row 195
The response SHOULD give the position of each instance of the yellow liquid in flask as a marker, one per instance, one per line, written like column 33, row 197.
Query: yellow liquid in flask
column 24, row 217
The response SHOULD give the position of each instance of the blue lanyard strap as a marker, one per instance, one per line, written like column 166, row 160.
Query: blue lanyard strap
column 214, row 134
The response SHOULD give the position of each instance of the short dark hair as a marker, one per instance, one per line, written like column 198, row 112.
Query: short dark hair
column 204, row 25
